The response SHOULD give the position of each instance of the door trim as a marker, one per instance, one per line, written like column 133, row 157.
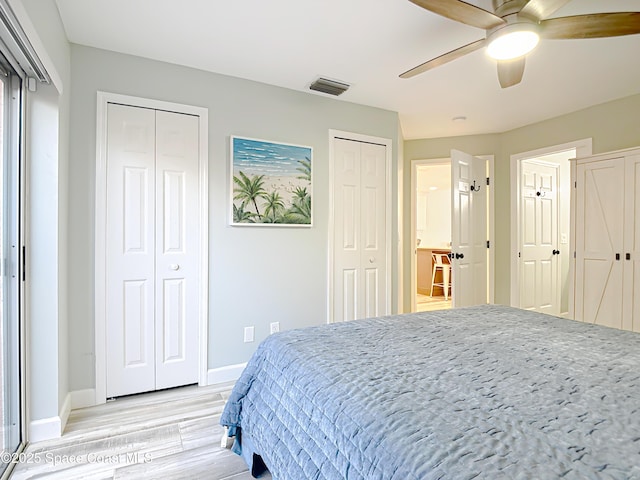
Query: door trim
column 583, row 148
column 103, row 98
column 357, row 137
column 490, row 161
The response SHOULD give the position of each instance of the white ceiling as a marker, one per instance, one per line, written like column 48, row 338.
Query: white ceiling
column 368, row 43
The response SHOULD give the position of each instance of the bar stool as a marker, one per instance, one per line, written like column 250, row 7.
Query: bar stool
column 441, row 262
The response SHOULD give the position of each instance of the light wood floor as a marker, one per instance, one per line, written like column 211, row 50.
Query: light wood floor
column 173, row 434
column 425, row 303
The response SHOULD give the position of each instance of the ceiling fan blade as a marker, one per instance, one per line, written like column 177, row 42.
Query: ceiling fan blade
column 510, row 72
column 445, row 58
column 541, row 9
column 461, row 12
column 596, row 25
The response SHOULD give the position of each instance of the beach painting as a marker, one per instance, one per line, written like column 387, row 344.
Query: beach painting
column 271, row 183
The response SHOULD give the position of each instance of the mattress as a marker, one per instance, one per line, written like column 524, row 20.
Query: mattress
column 478, row 392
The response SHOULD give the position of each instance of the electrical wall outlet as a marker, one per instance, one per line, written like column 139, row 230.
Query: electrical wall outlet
column 274, row 327
column 248, row 334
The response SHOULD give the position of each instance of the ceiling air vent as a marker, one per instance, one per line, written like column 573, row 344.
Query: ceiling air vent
column 331, row 87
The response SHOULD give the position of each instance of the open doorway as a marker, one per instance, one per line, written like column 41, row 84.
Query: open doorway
column 541, row 227
column 437, row 223
column 432, row 232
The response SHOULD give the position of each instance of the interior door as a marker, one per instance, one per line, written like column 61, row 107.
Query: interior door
column 177, row 243
column 130, row 250
column 539, row 247
column 599, row 241
column 359, row 273
column 468, row 229
column 152, row 250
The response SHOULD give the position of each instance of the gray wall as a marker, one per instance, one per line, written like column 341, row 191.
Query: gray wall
column 612, row 126
column 47, row 126
column 257, row 275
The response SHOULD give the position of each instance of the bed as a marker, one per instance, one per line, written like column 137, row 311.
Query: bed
column 479, row 392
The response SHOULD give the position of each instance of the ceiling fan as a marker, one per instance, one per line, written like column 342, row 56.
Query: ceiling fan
column 515, row 27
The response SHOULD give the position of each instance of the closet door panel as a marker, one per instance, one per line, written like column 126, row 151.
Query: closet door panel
column 599, row 242
column 177, row 249
column 130, row 250
column 631, row 302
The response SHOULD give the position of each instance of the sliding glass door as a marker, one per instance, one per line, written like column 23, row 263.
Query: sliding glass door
column 10, row 326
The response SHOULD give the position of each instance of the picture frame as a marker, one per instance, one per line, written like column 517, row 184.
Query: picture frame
column 271, row 183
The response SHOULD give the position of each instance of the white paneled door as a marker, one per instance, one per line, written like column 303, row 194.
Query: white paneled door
column 152, row 250
column 468, row 229
column 360, row 230
column 539, row 245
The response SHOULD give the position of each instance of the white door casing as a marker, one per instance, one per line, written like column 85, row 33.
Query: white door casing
column 599, row 238
column 359, row 247
column 197, row 306
column 415, row 164
column 468, row 230
column 579, row 148
column 539, row 249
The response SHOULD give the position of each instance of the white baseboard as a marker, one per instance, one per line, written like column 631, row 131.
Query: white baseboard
column 49, row 428
column 87, row 397
column 65, row 410
column 229, row 373
column 44, row 429
column 83, row 398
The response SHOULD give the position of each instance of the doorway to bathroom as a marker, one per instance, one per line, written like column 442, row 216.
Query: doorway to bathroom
column 433, row 235
column 452, row 231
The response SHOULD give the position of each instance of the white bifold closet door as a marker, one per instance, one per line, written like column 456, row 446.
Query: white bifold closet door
column 152, row 250
column 360, row 262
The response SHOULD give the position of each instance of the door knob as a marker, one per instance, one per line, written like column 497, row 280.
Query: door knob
column 371, row 259
column 174, row 266
column 556, row 252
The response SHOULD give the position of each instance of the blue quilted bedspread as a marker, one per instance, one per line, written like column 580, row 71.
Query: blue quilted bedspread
column 481, row 392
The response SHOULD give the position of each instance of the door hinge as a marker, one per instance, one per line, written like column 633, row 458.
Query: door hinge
column 24, row 263
column 574, row 254
column 488, row 181
column 575, row 184
column 488, row 244
column 519, row 254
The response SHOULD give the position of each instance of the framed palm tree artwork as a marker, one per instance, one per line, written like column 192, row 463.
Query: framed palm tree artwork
column 271, row 183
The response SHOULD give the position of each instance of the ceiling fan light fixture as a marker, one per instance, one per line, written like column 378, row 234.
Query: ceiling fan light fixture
column 512, row 41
